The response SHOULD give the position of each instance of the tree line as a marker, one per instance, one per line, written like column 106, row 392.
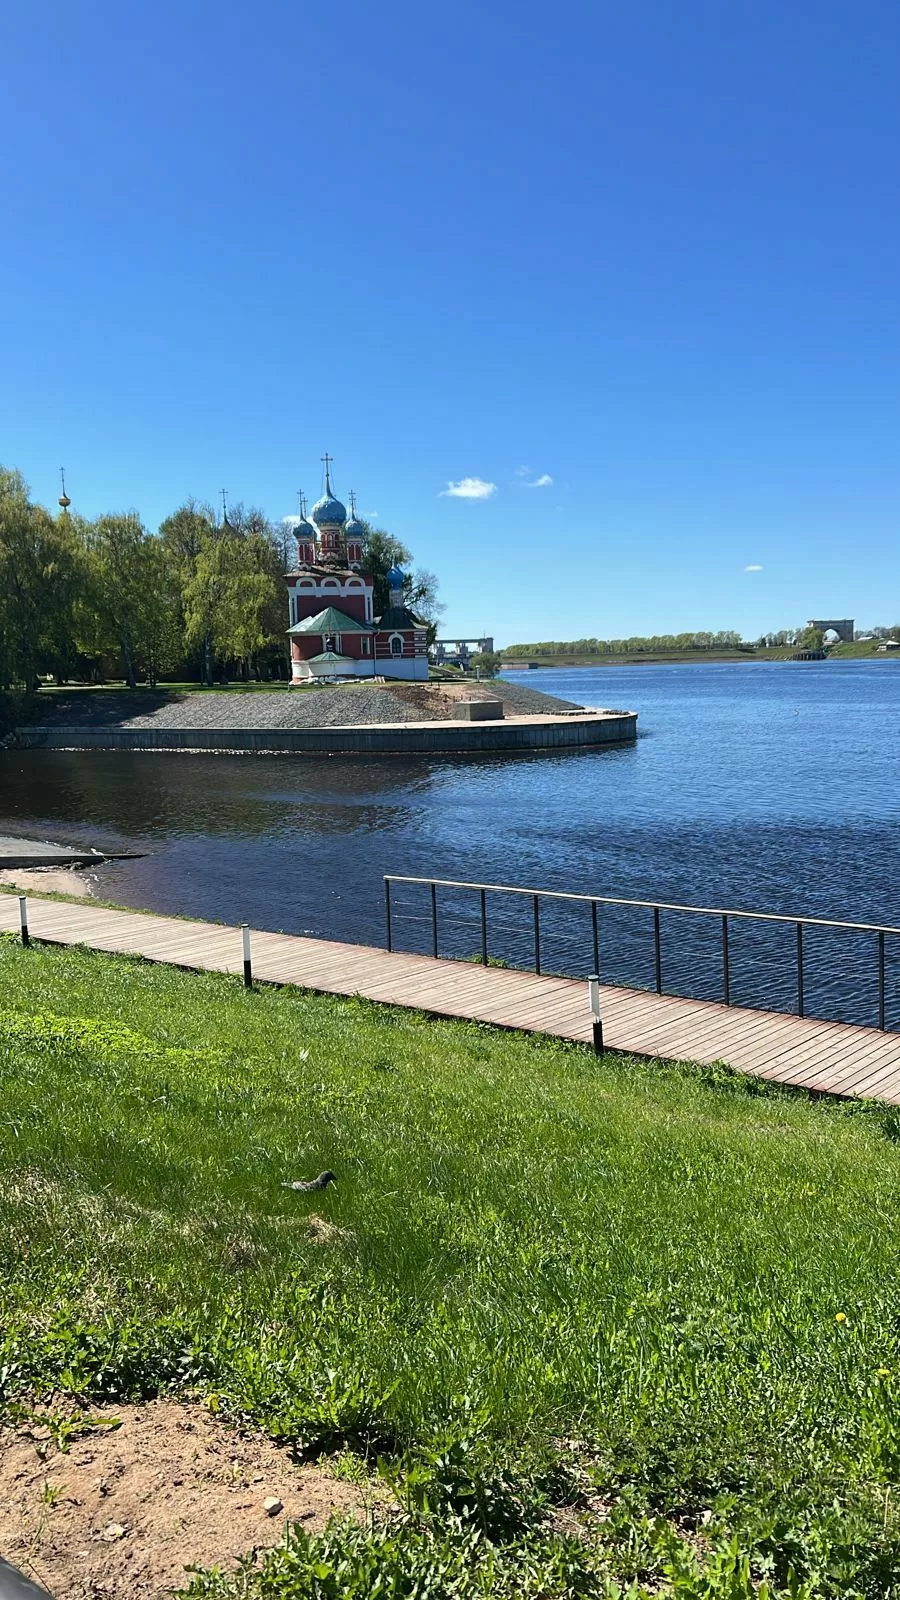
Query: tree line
column 726, row 639
column 201, row 598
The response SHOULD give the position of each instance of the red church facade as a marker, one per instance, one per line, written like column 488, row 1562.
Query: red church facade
column 333, row 629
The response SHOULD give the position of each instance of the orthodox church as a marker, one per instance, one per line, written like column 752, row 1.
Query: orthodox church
column 333, row 631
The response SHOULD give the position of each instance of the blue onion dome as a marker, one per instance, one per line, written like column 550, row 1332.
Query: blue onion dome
column 328, row 510
column 304, row 532
column 354, row 528
column 395, row 578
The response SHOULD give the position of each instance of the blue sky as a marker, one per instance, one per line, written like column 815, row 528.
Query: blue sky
column 647, row 251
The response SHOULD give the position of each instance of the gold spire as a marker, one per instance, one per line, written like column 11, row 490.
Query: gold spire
column 64, row 502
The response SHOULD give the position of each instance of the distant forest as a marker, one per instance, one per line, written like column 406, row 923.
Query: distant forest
column 726, row 640
column 659, row 643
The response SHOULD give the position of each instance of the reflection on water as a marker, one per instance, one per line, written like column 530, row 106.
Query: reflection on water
column 770, row 787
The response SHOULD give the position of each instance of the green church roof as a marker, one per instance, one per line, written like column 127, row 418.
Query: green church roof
column 331, row 621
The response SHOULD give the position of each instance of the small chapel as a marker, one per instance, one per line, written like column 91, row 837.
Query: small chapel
column 333, row 630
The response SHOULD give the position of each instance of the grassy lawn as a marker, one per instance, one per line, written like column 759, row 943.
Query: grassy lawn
column 602, row 1323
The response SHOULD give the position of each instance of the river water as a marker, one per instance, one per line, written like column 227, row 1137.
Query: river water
column 766, row 786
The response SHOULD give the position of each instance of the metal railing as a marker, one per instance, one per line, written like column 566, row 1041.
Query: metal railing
column 656, row 907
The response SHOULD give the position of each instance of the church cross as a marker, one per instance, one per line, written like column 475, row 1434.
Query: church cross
column 327, row 460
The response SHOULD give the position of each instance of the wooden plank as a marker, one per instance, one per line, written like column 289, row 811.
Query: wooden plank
column 856, row 1060
column 824, row 1056
column 831, row 1057
column 782, row 1037
column 870, row 1080
column 706, row 1034
column 699, row 1027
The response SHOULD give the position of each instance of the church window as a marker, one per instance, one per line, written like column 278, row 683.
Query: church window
column 365, row 645
column 396, row 645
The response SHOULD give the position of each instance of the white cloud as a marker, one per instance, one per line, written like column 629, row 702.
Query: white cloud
column 753, row 569
column 522, row 472
column 291, row 522
column 543, row 482
column 470, row 489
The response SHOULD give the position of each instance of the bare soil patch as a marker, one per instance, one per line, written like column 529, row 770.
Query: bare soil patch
column 52, row 880
column 124, row 1510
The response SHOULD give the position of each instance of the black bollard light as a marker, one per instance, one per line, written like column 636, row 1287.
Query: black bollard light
column 23, row 920
column 248, row 970
column 594, row 1000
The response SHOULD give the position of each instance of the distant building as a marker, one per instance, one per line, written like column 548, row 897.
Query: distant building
column 842, row 626
column 888, row 644
column 456, row 652
column 333, row 630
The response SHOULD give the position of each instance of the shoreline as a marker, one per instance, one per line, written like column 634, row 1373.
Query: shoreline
column 732, row 660
column 507, row 736
column 47, row 880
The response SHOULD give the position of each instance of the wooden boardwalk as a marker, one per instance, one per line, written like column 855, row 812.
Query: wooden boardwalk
column 831, row 1057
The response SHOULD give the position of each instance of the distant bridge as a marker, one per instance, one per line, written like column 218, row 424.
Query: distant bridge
column 457, row 650
column 842, row 626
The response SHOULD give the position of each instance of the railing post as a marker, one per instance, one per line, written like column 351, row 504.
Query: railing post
column 484, row 948
column 881, row 981
column 657, row 950
column 434, row 933
column 595, row 936
column 23, row 921
column 726, row 963
column 596, row 1019
column 537, row 935
column 245, row 948
column 801, row 1006
column 387, row 911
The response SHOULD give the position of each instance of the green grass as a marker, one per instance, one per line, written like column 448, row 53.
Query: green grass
column 659, row 1290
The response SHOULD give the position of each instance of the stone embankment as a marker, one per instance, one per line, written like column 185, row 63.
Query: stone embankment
column 364, row 717
column 348, row 706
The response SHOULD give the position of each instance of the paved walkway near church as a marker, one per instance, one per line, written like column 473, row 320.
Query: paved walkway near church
column 831, row 1057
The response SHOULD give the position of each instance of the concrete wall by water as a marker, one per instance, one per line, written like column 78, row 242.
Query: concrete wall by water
column 408, row 738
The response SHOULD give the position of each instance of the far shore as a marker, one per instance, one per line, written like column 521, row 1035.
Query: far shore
column 693, row 659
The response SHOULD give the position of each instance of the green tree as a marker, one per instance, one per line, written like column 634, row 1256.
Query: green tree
column 205, row 597
column 811, row 639
column 43, row 581
column 182, row 536
column 381, row 551
column 124, row 573
column 487, row 663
